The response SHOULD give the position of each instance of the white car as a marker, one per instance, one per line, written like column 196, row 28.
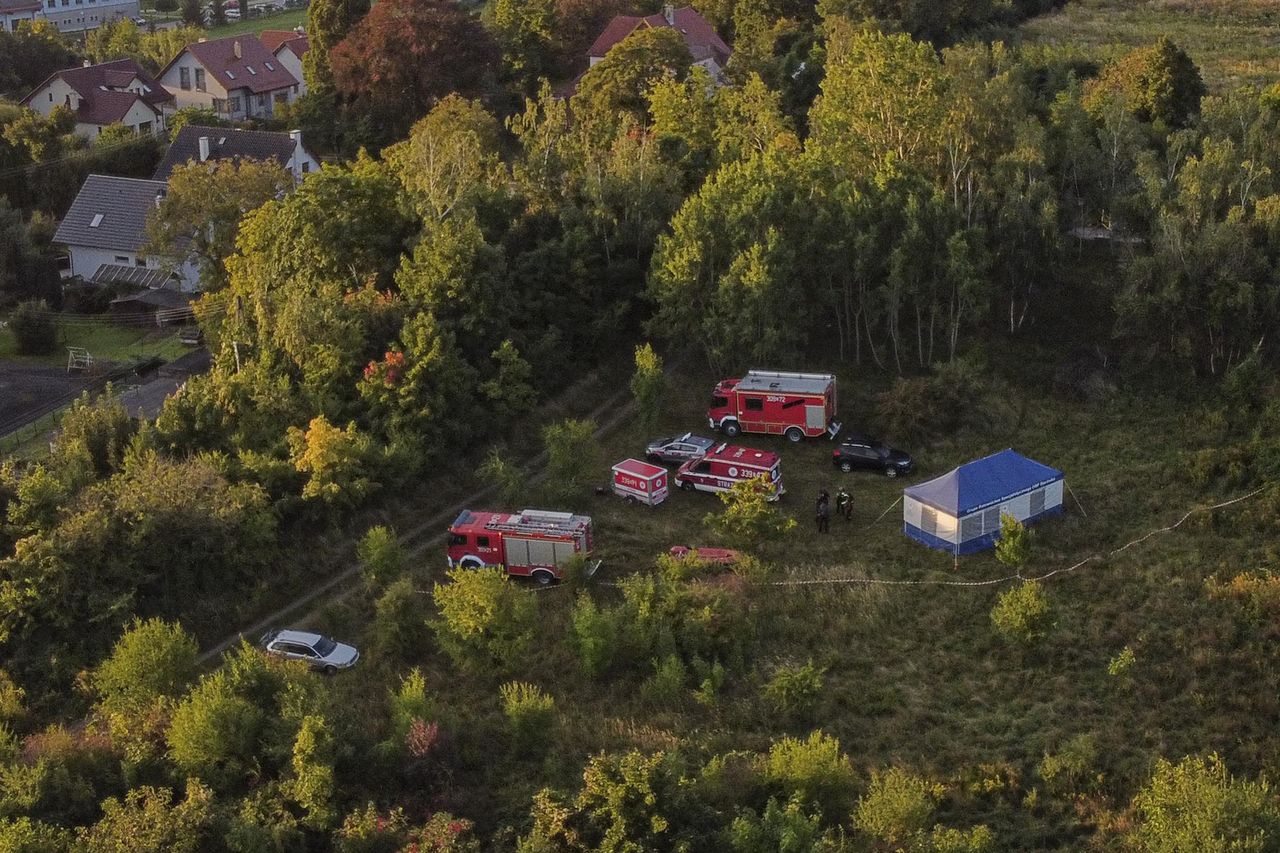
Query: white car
column 317, row 650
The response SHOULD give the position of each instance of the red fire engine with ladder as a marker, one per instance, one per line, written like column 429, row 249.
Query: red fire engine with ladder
column 532, row 543
column 770, row 401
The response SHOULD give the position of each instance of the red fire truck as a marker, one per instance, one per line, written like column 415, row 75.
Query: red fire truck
column 726, row 464
column 531, row 543
column 792, row 404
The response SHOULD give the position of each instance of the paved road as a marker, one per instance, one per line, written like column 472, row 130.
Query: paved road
column 28, row 392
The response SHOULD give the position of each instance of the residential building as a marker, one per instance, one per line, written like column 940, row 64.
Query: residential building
column 104, row 94
column 236, row 77
column 705, row 44
column 194, row 143
column 289, row 47
column 105, row 233
column 75, row 16
column 14, row 12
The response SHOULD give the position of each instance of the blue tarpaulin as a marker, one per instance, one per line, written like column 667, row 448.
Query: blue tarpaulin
column 983, row 482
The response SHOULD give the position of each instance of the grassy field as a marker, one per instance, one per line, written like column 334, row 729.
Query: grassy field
column 104, row 340
column 286, row 20
column 915, row 675
column 1233, row 41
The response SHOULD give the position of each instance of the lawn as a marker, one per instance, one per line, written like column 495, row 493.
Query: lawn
column 286, row 20
column 105, row 341
column 1233, row 41
column 915, row 675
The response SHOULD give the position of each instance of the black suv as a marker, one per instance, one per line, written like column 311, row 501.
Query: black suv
column 858, row 451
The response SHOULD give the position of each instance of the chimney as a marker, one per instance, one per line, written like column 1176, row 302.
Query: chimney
column 204, row 148
column 669, row 12
column 235, row 48
column 160, row 194
column 296, row 136
column 88, row 64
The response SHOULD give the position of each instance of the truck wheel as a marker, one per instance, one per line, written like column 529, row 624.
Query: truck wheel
column 330, row 670
column 731, row 429
column 794, row 434
column 687, row 486
column 631, row 499
column 543, row 577
column 470, row 563
column 846, row 466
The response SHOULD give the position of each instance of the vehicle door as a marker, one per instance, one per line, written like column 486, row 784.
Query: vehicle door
column 487, row 548
column 297, row 651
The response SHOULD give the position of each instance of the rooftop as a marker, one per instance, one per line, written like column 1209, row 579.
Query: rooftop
column 240, row 62
column 110, row 213
column 224, row 143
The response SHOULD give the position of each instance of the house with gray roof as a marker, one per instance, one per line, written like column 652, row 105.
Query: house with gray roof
column 118, row 92
column 199, row 144
column 105, row 233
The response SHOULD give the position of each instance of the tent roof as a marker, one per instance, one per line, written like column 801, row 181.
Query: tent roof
column 983, row 482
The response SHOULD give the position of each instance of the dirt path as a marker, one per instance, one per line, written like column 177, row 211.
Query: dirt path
column 416, row 540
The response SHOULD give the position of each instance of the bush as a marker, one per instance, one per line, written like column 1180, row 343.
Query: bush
column 594, row 636
column 778, row 828
column 154, row 659
column 573, row 457
column 813, row 769
column 1022, row 614
column 897, row 806
column 750, row 518
column 382, row 559
column 1197, row 805
column 530, row 715
column 795, row 689
column 918, row 409
column 647, row 386
column 1064, row 770
column 486, row 621
column 166, row 5
column 665, row 687
column 508, row 478
column 1014, row 544
column 397, row 621
column 33, row 328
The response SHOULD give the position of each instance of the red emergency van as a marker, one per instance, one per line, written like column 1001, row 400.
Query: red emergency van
column 640, row 482
column 775, row 402
column 727, row 464
column 532, row 543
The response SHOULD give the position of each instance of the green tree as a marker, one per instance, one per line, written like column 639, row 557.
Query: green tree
column 789, row 828
column 486, row 622
column 382, row 557
column 509, row 393
column 328, row 22
column 813, row 769
column 611, row 95
column 499, row 471
column 1159, row 83
column 1022, row 614
column 1014, row 545
column 1197, row 805
column 98, row 431
column 525, row 31
column 648, row 385
column 751, row 516
column 153, row 660
column 336, row 462
column 33, row 328
column 530, row 715
column 897, row 807
column 203, row 207
column 216, row 733
column 312, row 784
column 30, row 54
column 573, row 456
column 148, row 819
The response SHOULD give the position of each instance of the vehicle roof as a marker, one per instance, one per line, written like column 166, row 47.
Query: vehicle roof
column 291, row 636
column 743, row 455
column 639, row 468
column 793, row 383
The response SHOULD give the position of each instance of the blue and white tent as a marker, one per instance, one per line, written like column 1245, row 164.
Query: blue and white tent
column 960, row 511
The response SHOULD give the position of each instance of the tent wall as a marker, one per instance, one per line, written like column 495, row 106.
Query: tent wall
column 976, row 530
column 929, row 526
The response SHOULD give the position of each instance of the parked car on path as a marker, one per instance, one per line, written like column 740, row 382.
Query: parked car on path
column 317, row 650
column 860, row 452
column 680, row 448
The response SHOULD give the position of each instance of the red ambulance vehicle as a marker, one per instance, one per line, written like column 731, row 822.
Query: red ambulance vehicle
column 726, row 464
column 532, row 543
column 796, row 405
column 640, row 482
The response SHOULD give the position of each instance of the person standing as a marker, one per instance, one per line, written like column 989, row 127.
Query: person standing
column 844, row 503
column 824, row 512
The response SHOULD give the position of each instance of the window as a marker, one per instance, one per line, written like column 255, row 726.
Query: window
column 184, row 78
column 306, row 166
column 1037, row 502
column 755, row 404
column 482, row 541
column 200, row 80
column 122, row 259
column 231, row 75
column 139, row 261
column 719, row 402
column 97, row 220
column 235, row 104
column 970, row 527
column 269, row 66
column 51, row 97
column 991, row 520
column 325, row 646
column 252, row 73
column 219, row 106
column 262, row 101
column 702, row 468
column 929, row 520
column 457, row 539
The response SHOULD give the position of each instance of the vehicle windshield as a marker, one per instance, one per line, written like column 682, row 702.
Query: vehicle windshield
column 661, row 442
column 882, row 450
column 324, row 646
column 718, row 402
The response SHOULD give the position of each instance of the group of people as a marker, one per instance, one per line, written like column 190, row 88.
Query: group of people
column 844, row 507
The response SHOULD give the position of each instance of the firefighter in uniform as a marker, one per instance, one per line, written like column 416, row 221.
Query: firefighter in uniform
column 844, row 503
column 824, row 512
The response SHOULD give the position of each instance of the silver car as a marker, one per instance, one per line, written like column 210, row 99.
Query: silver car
column 678, row 449
column 318, row 651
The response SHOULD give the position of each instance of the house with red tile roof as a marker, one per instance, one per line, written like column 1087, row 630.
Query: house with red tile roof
column 236, row 77
column 288, row 46
column 704, row 43
column 104, row 94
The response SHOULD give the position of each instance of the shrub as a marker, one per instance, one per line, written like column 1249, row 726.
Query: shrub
column 382, row 559
column 530, row 715
column 1022, row 614
column 508, row 478
column 397, row 621
column 367, row 831
column 153, row 659
column 12, row 700
column 750, row 518
column 166, row 5
column 665, row 687
column 1064, row 770
column 778, row 828
column 573, row 457
column 897, row 806
column 813, row 769
column 1197, row 805
column 1122, row 664
column 1014, row 545
column 594, row 635
column 647, row 386
column 918, row 409
column 486, row 621
column 795, row 689
column 33, row 328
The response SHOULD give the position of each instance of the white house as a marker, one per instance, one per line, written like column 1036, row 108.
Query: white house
column 289, row 46
column 74, row 16
column 14, row 12
column 236, row 77
column 197, row 144
column 103, row 94
column 105, row 235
